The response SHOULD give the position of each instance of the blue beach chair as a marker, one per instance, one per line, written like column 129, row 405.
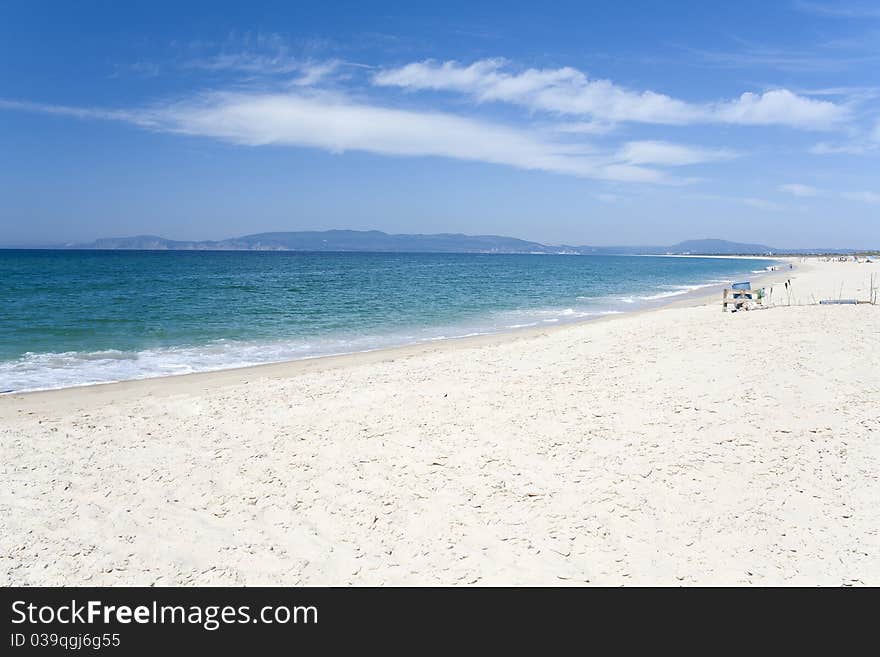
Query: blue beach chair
column 739, row 293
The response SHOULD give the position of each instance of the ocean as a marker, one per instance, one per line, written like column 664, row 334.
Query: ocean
column 82, row 317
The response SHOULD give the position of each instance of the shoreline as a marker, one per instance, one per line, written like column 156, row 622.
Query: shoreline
column 272, row 369
column 671, row 446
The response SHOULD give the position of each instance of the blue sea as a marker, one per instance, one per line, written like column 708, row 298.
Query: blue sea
column 81, row 317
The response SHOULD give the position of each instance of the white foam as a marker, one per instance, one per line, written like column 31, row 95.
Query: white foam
column 41, row 371
column 60, row 370
column 678, row 290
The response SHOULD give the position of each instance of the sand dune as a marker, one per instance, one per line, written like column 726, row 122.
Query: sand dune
column 677, row 446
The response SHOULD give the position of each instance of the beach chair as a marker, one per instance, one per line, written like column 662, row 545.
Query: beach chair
column 739, row 294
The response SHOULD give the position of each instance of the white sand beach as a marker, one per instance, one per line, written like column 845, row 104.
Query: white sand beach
column 676, row 446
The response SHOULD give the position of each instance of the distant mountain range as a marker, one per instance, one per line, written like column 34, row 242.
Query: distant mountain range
column 377, row 241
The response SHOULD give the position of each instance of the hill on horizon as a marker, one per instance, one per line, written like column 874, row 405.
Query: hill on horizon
column 375, row 241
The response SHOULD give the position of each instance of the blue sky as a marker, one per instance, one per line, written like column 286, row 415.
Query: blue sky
column 581, row 123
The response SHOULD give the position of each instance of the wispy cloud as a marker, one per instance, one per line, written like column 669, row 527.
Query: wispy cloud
column 669, row 154
column 566, row 110
column 864, row 197
column 750, row 201
column 338, row 124
column 568, row 91
column 844, row 148
column 791, row 61
column 583, row 127
column 335, row 123
column 797, row 189
column 839, row 9
column 260, row 64
column 828, row 55
column 145, row 69
column 246, row 62
column 763, row 204
column 869, row 144
column 139, row 118
column 313, row 73
column 255, row 56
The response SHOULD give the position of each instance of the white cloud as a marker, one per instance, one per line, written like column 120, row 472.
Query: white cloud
column 780, row 107
column 864, row 197
column 336, row 123
column 303, row 116
column 759, row 203
column 247, row 62
column 805, row 190
column 88, row 113
column 845, row 148
column 839, row 10
column 796, row 189
column 867, row 143
column 569, row 91
column 763, row 204
column 259, row 64
column 668, row 154
column 312, row 73
column 583, row 127
column 793, row 61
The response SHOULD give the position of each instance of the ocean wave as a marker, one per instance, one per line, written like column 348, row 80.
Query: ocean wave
column 50, row 370
column 46, row 371
column 678, row 290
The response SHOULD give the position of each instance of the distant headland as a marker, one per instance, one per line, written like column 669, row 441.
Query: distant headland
column 374, row 241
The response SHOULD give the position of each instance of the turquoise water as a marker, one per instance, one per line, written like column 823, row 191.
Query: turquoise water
column 77, row 317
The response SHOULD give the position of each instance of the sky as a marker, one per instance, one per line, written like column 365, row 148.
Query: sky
column 600, row 123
